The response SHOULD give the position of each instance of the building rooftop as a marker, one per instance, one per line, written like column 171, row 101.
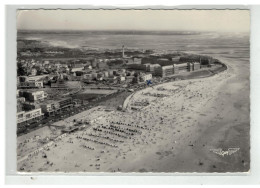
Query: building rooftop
column 167, row 67
column 180, row 65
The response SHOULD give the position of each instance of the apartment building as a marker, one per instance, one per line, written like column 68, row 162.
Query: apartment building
column 33, row 96
column 29, row 116
column 31, row 84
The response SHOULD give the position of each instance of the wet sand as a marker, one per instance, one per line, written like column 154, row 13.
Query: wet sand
column 172, row 134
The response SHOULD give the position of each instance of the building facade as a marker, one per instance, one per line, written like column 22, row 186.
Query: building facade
column 33, row 96
column 29, row 116
column 31, row 84
column 50, row 107
column 182, row 67
column 59, row 84
column 164, row 71
column 151, row 68
column 64, row 103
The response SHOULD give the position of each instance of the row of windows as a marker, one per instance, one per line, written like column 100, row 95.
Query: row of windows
column 29, row 115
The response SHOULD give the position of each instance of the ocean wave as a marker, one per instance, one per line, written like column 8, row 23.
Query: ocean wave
column 33, row 38
column 61, row 44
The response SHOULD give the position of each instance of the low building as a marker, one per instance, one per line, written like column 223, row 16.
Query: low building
column 24, row 117
column 31, row 84
column 146, row 77
column 75, row 69
column 66, row 102
column 50, row 107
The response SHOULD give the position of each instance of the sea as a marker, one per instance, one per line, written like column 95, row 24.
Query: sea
column 226, row 44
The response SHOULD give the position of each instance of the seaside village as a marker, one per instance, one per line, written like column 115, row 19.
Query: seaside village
column 46, row 89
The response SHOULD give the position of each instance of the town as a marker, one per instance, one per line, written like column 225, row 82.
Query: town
column 51, row 87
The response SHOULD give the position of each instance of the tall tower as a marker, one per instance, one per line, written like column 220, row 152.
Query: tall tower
column 123, row 51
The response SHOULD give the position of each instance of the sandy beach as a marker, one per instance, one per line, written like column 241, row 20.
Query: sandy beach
column 174, row 132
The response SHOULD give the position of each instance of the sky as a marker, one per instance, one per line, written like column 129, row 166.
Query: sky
column 169, row 20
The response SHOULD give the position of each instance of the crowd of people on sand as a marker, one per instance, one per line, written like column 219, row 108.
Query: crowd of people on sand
column 45, row 147
column 28, row 140
column 96, row 141
column 130, row 125
column 109, row 132
column 36, row 137
column 117, row 130
column 112, row 129
column 88, row 147
column 117, row 134
column 60, row 137
column 105, row 137
column 155, row 94
column 128, row 129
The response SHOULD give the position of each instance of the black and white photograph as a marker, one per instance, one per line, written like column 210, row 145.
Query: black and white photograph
column 122, row 91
